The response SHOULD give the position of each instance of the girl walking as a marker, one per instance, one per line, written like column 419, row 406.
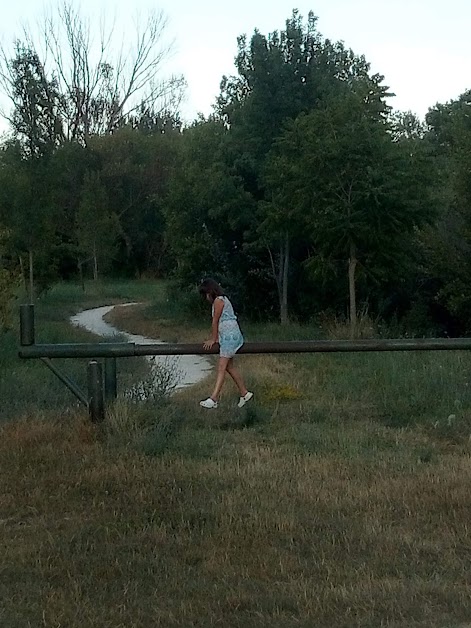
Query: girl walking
column 225, row 330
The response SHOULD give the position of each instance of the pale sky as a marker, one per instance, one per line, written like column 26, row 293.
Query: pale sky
column 422, row 47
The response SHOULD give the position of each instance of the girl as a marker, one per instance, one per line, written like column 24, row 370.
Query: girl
column 226, row 331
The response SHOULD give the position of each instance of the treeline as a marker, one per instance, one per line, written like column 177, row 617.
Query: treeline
column 304, row 193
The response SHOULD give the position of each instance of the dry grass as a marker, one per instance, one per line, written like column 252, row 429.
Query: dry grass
column 338, row 498
column 339, row 329
column 138, row 319
column 232, row 528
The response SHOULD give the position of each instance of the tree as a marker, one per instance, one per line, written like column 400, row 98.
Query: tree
column 26, row 211
column 97, row 227
column 448, row 245
column 37, row 132
column 207, row 210
column 135, row 170
column 280, row 77
column 98, row 87
column 35, row 118
column 359, row 193
column 9, row 279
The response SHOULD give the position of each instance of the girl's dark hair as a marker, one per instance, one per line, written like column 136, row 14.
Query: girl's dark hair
column 211, row 287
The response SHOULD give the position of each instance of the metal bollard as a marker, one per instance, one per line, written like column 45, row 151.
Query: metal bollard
column 111, row 382
column 27, row 332
column 96, row 402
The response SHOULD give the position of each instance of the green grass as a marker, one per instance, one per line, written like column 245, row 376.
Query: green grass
column 396, row 389
column 28, row 386
column 67, row 295
column 338, row 497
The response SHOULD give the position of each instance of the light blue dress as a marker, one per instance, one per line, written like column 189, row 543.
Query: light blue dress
column 230, row 336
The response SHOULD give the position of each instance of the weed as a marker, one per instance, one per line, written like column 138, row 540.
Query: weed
column 161, row 380
column 282, row 393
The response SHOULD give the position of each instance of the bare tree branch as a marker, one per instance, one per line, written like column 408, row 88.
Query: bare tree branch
column 101, row 84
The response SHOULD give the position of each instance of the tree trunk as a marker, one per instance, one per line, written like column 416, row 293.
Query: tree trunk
column 284, row 262
column 352, row 264
column 80, row 267
column 276, row 275
column 31, row 277
column 23, row 274
column 95, row 264
column 280, row 275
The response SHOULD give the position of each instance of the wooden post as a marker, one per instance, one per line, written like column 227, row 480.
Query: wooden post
column 27, row 334
column 96, row 401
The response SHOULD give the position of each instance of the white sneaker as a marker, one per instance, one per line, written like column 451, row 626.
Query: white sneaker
column 209, row 403
column 243, row 400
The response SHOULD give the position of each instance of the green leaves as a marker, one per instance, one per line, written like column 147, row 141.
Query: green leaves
column 36, row 121
column 9, row 279
column 345, row 184
column 447, row 247
column 97, row 226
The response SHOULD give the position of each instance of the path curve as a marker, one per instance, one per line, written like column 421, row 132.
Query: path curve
column 191, row 368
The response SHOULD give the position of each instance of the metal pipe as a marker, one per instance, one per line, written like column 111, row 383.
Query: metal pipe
column 79, row 350
column 113, row 350
column 96, row 402
column 65, row 379
column 314, row 346
column 27, row 332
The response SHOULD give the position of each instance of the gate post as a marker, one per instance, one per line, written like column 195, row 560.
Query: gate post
column 96, row 402
column 27, row 325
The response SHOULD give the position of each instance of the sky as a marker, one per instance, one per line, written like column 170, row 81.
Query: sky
column 420, row 46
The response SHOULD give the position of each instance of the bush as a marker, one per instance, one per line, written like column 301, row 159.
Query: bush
column 162, row 379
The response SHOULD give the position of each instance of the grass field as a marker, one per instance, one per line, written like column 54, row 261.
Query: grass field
column 339, row 498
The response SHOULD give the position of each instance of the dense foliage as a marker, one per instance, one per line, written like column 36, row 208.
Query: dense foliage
column 304, row 193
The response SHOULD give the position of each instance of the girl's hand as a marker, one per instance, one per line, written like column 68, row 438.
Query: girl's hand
column 209, row 344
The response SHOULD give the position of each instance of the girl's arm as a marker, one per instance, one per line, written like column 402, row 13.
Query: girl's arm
column 218, row 308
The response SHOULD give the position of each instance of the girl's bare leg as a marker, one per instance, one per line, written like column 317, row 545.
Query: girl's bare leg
column 237, row 377
column 222, row 366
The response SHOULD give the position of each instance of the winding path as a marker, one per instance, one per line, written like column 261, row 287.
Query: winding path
column 190, row 368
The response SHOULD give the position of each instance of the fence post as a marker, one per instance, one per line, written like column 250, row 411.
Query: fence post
column 96, row 402
column 27, row 332
column 111, row 382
